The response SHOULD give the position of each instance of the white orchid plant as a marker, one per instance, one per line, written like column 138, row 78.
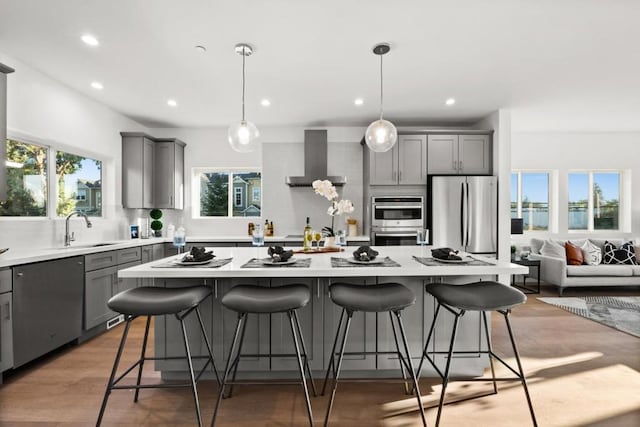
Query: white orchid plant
column 338, row 207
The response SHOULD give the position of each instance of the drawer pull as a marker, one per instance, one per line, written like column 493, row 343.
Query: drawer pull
column 20, row 274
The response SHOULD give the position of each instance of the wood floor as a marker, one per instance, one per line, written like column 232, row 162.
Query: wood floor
column 581, row 373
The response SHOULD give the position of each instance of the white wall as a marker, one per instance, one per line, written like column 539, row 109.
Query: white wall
column 563, row 152
column 44, row 110
column 280, row 155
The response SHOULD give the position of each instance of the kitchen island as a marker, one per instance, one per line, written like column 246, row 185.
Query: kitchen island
column 369, row 332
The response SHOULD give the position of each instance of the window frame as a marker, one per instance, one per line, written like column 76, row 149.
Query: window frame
column 552, row 196
column 590, row 205
column 231, row 172
column 51, row 178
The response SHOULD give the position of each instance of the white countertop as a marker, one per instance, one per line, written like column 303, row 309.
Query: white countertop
column 26, row 256
column 321, row 266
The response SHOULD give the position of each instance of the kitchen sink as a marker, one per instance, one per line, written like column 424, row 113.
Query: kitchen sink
column 94, row 245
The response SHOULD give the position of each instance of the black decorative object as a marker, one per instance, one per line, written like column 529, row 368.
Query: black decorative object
column 198, row 255
column 517, row 226
column 447, row 254
column 279, row 254
column 365, row 253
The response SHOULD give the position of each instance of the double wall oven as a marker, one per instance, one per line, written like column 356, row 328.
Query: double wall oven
column 395, row 220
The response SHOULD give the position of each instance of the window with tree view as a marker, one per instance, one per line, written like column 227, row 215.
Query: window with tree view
column 594, row 200
column 530, row 199
column 79, row 181
column 26, row 180
column 230, row 193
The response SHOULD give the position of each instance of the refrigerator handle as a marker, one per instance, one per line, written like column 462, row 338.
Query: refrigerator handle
column 468, row 216
column 462, row 212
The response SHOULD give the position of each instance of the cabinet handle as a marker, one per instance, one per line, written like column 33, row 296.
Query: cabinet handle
column 8, row 315
column 20, row 274
column 215, row 288
column 461, row 167
column 400, row 176
column 318, row 288
column 455, row 165
column 80, row 263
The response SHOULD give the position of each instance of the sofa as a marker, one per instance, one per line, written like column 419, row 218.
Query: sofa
column 555, row 270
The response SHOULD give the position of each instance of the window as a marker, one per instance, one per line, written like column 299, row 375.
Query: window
column 79, row 182
column 215, row 198
column 594, row 200
column 237, row 200
column 26, row 180
column 530, row 199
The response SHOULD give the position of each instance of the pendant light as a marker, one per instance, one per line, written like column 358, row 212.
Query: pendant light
column 243, row 136
column 381, row 135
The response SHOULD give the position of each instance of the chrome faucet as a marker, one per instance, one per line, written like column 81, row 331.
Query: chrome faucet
column 68, row 238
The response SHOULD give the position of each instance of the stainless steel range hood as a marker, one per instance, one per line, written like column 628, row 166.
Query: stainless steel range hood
column 4, row 70
column 315, row 161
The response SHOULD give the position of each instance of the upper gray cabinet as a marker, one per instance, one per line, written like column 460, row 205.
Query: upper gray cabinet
column 152, row 172
column 459, row 154
column 169, row 174
column 404, row 164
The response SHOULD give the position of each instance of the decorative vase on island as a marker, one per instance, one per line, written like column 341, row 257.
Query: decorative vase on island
column 330, row 242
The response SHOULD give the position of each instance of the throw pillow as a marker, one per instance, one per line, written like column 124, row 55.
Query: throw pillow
column 574, row 254
column 552, row 249
column 536, row 245
column 623, row 255
column 592, row 254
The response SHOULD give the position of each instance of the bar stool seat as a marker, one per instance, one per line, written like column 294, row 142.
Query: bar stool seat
column 252, row 299
column 157, row 301
column 153, row 301
column 382, row 297
column 479, row 296
column 259, row 299
column 482, row 297
column 376, row 298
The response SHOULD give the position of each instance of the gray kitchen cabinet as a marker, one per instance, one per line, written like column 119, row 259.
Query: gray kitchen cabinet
column 310, row 318
column 459, row 155
column 100, row 260
column 137, row 170
column 404, row 164
column 169, row 174
column 168, row 332
column 6, row 315
column 362, row 332
column 124, row 256
column 100, row 285
column 128, row 283
column 47, row 306
column 151, row 253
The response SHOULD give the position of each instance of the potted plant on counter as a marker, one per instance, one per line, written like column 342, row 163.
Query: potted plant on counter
column 156, row 224
column 338, row 207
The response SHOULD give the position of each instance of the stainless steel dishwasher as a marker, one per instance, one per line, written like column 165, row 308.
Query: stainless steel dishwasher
column 47, row 306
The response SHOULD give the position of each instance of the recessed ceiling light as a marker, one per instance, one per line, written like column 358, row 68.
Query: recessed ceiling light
column 201, row 48
column 358, row 101
column 450, row 101
column 265, row 102
column 97, row 85
column 172, row 103
column 90, row 40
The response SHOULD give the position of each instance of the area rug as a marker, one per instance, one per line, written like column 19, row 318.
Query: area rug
column 622, row 313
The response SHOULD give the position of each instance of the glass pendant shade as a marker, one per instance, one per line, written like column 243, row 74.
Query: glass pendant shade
column 243, row 136
column 381, row 135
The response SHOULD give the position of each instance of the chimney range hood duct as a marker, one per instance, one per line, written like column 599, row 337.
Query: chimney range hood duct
column 315, row 161
column 4, row 70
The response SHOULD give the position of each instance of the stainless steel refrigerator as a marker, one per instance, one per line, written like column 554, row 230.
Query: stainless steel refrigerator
column 464, row 213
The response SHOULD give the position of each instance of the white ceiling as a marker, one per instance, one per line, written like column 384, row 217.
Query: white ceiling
column 558, row 64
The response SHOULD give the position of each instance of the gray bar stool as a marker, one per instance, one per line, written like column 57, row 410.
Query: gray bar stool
column 389, row 297
column 245, row 299
column 482, row 297
column 156, row 301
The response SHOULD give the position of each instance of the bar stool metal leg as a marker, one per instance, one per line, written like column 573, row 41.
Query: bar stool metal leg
column 194, row 390
column 410, row 366
column 206, row 340
column 490, row 349
column 425, row 354
column 236, row 361
column 520, row 370
column 445, row 379
column 395, row 339
column 304, row 353
column 227, row 369
column 114, row 370
column 339, row 364
column 331, row 366
column 300, row 365
column 142, row 355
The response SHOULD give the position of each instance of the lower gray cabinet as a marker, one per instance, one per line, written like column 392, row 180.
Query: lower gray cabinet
column 6, row 333
column 151, row 253
column 310, row 318
column 129, row 283
column 362, row 332
column 100, row 285
column 47, row 306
